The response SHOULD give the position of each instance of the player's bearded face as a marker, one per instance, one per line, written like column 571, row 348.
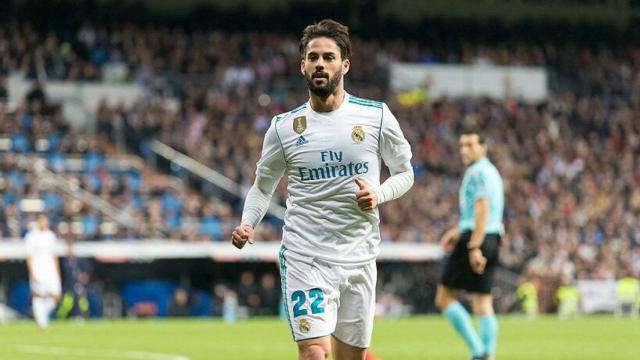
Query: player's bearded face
column 321, row 84
column 323, row 66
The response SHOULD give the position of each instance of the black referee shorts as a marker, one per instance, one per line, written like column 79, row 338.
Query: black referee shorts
column 457, row 274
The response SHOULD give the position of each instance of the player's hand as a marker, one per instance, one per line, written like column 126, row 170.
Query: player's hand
column 241, row 234
column 477, row 261
column 365, row 196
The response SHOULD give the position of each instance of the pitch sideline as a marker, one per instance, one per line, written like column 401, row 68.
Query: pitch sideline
column 98, row 353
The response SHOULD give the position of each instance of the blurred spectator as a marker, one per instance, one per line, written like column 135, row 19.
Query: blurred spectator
column 179, row 305
column 36, row 97
column 248, row 292
column 4, row 92
column 269, row 295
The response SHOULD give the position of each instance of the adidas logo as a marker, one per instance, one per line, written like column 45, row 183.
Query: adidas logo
column 301, row 141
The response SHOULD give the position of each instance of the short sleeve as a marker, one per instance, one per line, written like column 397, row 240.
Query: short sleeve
column 478, row 184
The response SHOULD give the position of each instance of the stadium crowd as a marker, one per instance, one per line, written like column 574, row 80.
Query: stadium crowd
column 35, row 133
column 571, row 164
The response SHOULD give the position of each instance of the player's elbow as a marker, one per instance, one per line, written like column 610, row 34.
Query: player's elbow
column 265, row 187
column 411, row 177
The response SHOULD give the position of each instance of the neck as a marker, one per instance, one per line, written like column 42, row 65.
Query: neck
column 476, row 160
column 328, row 104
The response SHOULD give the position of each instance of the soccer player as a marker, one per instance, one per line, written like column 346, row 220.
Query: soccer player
column 44, row 270
column 475, row 243
column 77, row 272
column 331, row 149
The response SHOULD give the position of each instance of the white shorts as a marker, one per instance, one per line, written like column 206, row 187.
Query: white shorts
column 42, row 288
column 325, row 299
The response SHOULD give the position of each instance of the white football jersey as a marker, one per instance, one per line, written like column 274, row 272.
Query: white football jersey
column 41, row 248
column 323, row 154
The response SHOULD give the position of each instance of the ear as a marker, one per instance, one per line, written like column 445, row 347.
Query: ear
column 346, row 64
column 302, row 62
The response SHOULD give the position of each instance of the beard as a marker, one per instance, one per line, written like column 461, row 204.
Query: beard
column 325, row 90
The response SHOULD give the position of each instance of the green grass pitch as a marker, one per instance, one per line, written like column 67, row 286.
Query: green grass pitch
column 600, row 337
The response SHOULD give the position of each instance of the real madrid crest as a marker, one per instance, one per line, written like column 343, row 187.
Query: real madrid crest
column 304, row 325
column 357, row 135
column 300, row 124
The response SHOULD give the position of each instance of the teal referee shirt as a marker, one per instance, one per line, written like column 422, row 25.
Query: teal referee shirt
column 481, row 181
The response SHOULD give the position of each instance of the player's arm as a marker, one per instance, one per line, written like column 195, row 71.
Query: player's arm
column 56, row 262
column 31, row 274
column 30, row 267
column 396, row 185
column 396, row 153
column 30, row 249
column 270, row 169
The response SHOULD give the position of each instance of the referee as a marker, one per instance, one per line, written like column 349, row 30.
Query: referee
column 475, row 243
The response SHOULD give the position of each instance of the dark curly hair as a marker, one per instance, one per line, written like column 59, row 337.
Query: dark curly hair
column 327, row 28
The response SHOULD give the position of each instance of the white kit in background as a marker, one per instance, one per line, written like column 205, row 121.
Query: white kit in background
column 44, row 271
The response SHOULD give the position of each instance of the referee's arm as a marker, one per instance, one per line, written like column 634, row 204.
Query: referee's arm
column 480, row 223
column 476, row 259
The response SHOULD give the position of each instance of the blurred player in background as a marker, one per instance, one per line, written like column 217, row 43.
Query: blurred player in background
column 77, row 274
column 567, row 298
column 44, row 270
column 331, row 148
column 527, row 295
column 475, row 243
column 627, row 295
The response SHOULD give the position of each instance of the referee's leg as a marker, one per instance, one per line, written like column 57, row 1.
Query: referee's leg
column 460, row 319
column 444, row 297
column 483, row 308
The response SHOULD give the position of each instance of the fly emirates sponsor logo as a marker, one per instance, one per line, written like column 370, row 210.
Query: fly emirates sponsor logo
column 333, row 167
